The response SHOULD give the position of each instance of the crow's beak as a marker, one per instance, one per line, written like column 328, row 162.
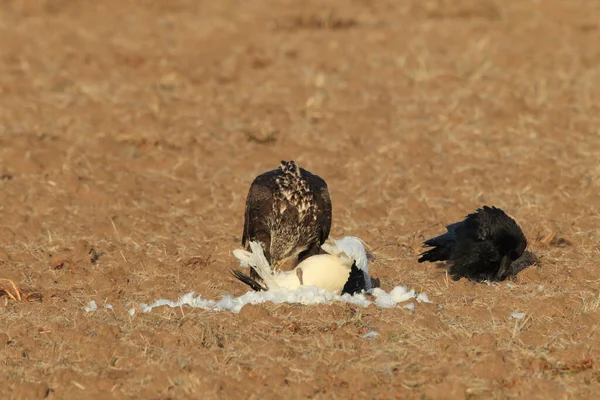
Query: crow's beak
column 504, row 267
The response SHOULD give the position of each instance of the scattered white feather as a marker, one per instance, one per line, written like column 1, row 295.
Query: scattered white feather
column 91, row 307
column 109, row 307
column 131, row 311
column 410, row 306
column 306, row 295
column 398, row 294
column 517, row 315
column 422, row 297
column 145, row 307
column 370, row 335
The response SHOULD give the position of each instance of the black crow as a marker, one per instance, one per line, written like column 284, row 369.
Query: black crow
column 288, row 211
column 484, row 246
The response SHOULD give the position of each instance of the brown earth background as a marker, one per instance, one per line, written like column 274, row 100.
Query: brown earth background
column 135, row 128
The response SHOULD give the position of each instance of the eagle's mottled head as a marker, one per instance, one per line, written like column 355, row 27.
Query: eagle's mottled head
column 294, row 192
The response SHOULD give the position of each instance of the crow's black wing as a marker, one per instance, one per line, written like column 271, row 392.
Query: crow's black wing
column 442, row 245
column 486, row 223
column 491, row 223
column 476, row 260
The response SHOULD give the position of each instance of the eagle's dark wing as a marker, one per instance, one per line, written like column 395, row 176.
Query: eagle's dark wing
column 323, row 206
column 259, row 204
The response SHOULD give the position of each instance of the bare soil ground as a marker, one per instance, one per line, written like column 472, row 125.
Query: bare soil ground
column 134, row 128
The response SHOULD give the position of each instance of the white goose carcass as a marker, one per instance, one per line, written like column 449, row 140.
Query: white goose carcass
column 344, row 269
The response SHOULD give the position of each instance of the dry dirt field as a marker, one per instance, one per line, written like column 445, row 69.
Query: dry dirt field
column 134, row 128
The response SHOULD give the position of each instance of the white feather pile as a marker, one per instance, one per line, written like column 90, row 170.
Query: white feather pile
column 305, row 295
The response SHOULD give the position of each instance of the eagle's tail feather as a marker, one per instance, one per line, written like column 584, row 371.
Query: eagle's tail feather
column 257, row 260
column 248, row 281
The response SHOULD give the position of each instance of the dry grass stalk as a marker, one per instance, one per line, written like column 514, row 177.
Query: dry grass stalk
column 8, row 288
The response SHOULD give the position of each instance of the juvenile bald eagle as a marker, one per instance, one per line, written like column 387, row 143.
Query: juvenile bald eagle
column 288, row 211
column 484, row 246
column 341, row 270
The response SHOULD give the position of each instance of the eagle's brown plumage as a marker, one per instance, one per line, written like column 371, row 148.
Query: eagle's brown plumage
column 288, row 210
